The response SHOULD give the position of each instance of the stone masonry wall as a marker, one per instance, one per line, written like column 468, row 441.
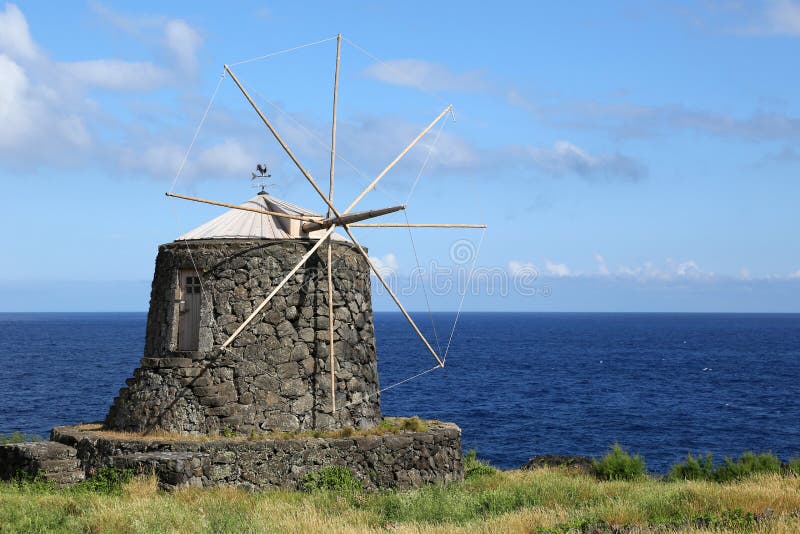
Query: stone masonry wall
column 54, row 462
column 404, row 460
column 276, row 374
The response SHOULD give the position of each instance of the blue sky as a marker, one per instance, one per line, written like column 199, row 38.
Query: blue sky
column 626, row 157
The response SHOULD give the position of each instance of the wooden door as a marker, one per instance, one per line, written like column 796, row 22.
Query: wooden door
column 189, row 326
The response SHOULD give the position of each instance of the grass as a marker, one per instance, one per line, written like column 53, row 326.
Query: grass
column 540, row 500
column 389, row 425
column 18, row 437
column 331, row 478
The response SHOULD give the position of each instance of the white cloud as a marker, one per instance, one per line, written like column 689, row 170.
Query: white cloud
column 375, row 141
column 795, row 275
column 176, row 37
column 116, row 75
column 371, row 142
column 780, row 17
column 626, row 119
column 33, row 124
column 387, row 264
column 556, row 269
column 518, row 268
column 602, row 268
column 426, row 76
column 15, row 38
column 183, row 42
column 648, row 271
column 228, row 158
column 566, row 158
column 46, row 106
column 669, row 270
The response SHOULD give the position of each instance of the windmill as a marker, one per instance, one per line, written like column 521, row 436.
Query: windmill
column 346, row 219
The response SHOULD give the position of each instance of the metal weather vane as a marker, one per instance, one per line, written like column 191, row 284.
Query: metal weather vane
column 262, row 176
column 345, row 219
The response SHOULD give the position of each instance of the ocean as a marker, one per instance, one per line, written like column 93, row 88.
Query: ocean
column 518, row 384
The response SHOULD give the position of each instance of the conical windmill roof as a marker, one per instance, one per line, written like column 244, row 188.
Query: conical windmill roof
column 240, row 224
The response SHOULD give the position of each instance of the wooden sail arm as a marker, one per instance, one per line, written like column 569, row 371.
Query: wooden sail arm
column 350, row 218
column 243, row 208
column 398, row 158
column 416, row 225
column 278, row 287
column 394, row 297
column 331, row 173
column 281, row 142
column 331, row 170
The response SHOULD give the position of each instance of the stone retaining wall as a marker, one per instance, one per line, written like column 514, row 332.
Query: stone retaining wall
column 403, row 460
column 276, row 374
column 52, row 461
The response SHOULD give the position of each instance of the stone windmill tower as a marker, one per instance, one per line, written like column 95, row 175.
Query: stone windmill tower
column 275, row 375
column 261, row 319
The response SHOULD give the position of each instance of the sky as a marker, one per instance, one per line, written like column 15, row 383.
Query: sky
column 625, row 156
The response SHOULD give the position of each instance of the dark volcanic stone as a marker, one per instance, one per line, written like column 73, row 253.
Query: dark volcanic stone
column 276, row 374
column 52, row 461
column 405, row 460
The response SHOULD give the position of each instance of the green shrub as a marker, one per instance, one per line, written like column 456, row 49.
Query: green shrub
column 107, row 481
column 746, row 465
column 474, row 468
column 30, row 483
column 794, row 466
column 619, row 465
column 332, row 478
column 693, row 468
column 18, row 437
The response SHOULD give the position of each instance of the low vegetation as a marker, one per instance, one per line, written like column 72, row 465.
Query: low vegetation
column 18, row 437
column 474, row 468
column 748, row 464
column 619, row 465
column 389, row 425
column 331, row 478
column 755, row 498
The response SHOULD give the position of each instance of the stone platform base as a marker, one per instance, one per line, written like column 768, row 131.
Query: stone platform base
column 402, row 460
column 51, row 461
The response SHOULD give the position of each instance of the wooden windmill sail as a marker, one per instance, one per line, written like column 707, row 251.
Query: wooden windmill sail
column 322, row 228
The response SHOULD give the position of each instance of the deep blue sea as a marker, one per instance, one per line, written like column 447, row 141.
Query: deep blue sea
column 517, row 384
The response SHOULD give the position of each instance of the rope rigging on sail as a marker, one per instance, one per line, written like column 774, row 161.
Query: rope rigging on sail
column 336, row 219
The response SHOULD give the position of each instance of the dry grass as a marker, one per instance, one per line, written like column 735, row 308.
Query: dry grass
column 550, row 500
column 389, row 425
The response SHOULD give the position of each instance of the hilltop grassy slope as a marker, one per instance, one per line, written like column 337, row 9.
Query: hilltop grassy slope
column 549, row 499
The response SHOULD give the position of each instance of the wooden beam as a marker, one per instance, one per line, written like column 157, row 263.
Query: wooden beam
column 333, row 121
column 330, row 329
column 330, row 245
column 391, row 294
column 352, row 217
column 398, row 158
column 415, row 225
column 281, row 142
column 278, row 287
column 236, row 207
